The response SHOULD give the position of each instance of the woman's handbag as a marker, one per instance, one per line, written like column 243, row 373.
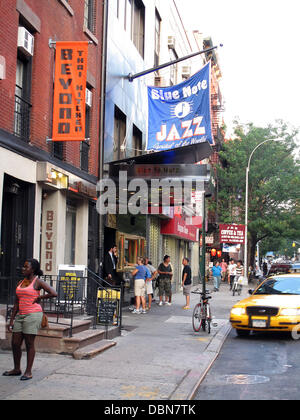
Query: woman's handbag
column 44, row 323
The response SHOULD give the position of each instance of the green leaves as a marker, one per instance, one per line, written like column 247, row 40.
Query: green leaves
column 274, row 181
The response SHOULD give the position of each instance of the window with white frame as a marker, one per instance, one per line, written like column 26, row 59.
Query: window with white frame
column 89, row 9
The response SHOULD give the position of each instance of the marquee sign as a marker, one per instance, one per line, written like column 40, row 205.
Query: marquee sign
column 180, row 115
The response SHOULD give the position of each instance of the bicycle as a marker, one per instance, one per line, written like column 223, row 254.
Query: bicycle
column 202, row 313
column 237, row 286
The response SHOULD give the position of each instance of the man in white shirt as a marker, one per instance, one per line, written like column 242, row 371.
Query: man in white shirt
column 231, row 272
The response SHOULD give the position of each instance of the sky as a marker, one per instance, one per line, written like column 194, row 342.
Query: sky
column 260, row 59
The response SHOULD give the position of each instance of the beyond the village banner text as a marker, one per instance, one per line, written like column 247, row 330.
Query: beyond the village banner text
column 69, row 91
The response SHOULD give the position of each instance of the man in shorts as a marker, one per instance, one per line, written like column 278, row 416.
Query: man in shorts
column 186, row 281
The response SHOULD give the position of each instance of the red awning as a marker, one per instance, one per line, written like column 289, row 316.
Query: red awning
column 177, row 227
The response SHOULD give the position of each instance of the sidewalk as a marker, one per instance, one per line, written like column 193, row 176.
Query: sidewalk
column 158, row 357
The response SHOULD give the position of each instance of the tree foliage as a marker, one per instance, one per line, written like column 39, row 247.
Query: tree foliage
column 274, row 182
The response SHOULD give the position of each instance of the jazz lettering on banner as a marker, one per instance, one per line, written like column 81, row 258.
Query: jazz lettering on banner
column 69, row 91
column 180, row 115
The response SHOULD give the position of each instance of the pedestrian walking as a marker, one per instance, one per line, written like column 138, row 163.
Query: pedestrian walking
column 224, row 266
column 216, row 273
column 165, row 275
column 231, row 269
column 186, row 281
column 141, row 273
column 150, row 282
column 27, row 315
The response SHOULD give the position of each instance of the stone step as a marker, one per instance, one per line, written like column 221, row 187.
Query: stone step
column 62, row 328
column 55, row 339
column 82, row 339
column 93, row 350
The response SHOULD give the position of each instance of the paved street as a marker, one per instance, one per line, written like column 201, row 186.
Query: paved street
column 158, row 357
column 259, row 367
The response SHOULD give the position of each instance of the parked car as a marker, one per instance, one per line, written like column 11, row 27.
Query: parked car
column 280, row 268
column 272, row 306
column 295, row 268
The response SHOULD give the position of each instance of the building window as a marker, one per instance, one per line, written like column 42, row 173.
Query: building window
column 89, row 8
column 22, row 97
column 85, row 145
column 84, row 155
column 127, row 17
column 157, row 38
column 174, row 68
column 58, row 149
column 134, row 21
column 119, row 134
column 138, row 25
column 137, row 141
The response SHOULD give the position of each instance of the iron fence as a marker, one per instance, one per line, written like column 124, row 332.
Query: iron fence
column 76, row 296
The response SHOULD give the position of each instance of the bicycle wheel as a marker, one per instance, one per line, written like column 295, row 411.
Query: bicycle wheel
column 206, row 319
column 233, row 289
column 197, row 317
column 240, row 289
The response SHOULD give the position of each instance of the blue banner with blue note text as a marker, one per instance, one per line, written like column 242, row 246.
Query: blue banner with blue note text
column 180, row 115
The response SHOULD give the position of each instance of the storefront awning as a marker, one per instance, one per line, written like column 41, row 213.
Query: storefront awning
column 186, row 154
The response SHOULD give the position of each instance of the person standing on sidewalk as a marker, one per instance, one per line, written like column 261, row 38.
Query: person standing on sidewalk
column 165, row 274
column 149, row 282
column 224, row 269
column 27, row 315
column 216, row 273
column 141, row 273
column 186, row 281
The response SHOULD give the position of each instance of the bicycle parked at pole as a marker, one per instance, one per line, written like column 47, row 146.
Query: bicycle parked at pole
column 202, row 313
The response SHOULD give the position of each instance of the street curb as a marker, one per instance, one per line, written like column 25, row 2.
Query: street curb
column 191, row 382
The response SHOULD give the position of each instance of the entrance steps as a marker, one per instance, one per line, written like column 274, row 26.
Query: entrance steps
column 85, row 342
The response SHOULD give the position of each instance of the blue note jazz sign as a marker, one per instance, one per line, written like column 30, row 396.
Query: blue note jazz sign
column 180, row 115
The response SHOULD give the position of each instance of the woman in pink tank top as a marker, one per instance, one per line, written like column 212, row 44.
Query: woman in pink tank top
column 27, row 316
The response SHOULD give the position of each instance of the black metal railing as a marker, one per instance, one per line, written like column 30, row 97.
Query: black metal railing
column 76, row 296
column 22, row 118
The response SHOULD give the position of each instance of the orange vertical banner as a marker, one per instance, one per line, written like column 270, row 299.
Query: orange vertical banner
column 69, row 91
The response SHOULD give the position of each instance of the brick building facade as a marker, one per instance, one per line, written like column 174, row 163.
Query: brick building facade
column 40, row 179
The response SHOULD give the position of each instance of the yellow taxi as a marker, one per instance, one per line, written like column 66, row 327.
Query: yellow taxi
column 273, row 306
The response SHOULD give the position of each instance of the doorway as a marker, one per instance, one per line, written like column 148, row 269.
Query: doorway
column 17, row 231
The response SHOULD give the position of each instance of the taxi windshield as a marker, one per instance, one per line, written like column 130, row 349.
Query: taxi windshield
column 280, row 286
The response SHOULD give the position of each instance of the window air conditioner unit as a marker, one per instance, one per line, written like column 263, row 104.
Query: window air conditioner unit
column 25, row 41
column 88, row 97
column 171, row 42
column 186, row 71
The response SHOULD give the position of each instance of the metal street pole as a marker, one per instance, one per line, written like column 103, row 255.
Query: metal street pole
column 203, row 247
column 246, row 205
